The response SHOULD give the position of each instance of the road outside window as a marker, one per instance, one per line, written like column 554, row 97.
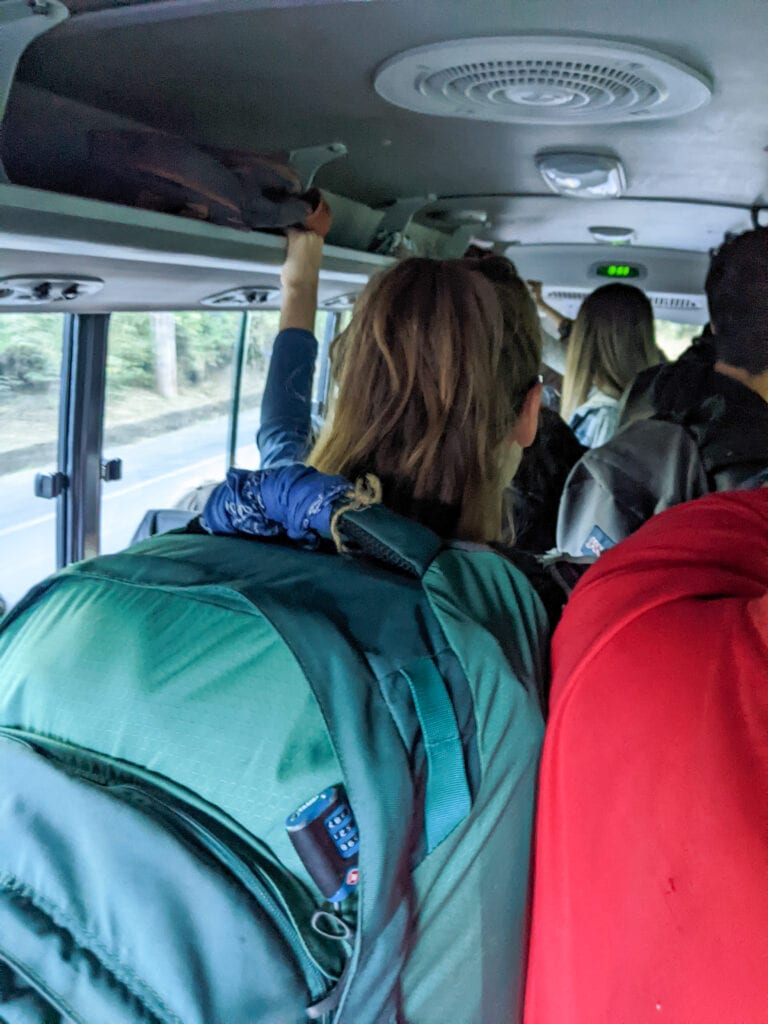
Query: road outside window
column 168, row 398
column 30, row 373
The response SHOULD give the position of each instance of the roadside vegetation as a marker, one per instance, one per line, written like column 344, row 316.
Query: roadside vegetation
column 157, row 363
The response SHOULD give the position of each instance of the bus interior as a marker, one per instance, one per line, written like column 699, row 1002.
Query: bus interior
column 587, row 142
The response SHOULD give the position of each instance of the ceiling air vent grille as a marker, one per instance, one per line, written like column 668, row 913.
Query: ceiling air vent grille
column 565, row 296
column 544, row 83
column 676, row 302
column 541, row 80
column 679, row 303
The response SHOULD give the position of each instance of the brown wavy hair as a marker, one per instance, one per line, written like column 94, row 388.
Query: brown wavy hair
column 430, row 383
column 522, row 326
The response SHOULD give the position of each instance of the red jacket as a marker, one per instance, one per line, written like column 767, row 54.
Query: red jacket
column 651, row 868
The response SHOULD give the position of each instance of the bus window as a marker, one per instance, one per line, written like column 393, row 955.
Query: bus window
column 673, row 338
column 262, row 328
column 30, row 375
column 168, row 394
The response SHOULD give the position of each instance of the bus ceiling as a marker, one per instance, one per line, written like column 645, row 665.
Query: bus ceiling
column 226, row 93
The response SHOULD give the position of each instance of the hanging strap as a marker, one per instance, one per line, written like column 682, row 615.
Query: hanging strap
column 447, row 800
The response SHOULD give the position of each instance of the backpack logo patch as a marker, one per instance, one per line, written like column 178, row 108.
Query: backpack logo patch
column 597, row 542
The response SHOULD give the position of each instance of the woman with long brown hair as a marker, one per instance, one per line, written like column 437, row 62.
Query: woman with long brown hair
column 434, row 397
column 437, row 393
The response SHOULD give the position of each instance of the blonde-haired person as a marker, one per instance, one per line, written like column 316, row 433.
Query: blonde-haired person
column 437, row 393
column 609, row 343
column 612, row 340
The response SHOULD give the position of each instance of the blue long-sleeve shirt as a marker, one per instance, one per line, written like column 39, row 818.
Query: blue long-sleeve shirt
column 283, row 439
column 286, row 409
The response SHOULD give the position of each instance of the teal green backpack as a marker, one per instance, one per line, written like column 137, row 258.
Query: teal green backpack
column 164, row 710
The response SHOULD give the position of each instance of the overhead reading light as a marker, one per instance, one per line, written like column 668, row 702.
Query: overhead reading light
column 614, row 236
column 41, row 290
column 239, row 298
column 582, row 175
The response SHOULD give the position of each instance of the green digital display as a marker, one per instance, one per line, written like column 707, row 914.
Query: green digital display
column 619, row 270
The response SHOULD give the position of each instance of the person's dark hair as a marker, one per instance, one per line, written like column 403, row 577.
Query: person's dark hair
column 503, row 265
column 521, row 321
column 533, row 497
column 737, row 293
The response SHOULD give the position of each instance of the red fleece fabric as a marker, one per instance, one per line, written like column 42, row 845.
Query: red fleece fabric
column 651, row 866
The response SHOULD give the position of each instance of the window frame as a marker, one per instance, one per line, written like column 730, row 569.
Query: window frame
column 322, row 374
column 81, row 428
column 81, row 423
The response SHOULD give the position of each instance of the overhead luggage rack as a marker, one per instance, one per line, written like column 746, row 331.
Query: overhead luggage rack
column 146, row 259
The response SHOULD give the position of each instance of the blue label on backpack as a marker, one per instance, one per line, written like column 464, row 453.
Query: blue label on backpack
column 597, row 542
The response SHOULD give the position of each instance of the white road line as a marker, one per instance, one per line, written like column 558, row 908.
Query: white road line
column 108, row 494
column 28, row 524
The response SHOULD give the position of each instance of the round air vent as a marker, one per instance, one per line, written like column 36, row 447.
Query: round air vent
column 541, row 80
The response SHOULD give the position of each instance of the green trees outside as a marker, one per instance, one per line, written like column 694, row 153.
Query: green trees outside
column 30, row 348
column 205, row 346
column 204, row 343
column 30, row 351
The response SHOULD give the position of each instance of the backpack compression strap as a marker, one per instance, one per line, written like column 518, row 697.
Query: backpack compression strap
column 378, row 532
column 447, row 800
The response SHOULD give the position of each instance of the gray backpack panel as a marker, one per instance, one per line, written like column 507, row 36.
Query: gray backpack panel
column 612, row 490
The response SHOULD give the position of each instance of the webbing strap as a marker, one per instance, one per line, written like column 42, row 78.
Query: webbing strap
column 390, row 538
column 447, row 801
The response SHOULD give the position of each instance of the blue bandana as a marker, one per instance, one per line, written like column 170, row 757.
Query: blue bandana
column 294, row 501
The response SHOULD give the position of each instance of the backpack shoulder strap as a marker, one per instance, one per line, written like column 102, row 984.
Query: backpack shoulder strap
column 390, row 538
column 410, row 547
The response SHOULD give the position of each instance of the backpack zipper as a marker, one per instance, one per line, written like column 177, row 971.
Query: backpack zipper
column 251, row 874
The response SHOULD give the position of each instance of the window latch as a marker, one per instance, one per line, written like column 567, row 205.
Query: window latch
column 111, row 469
column 50, row 485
